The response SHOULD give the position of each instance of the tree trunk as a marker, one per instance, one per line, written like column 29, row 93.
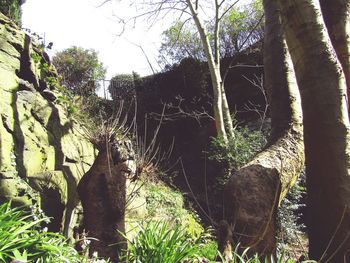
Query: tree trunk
column 215, row 74
column 227, row 114
column 254, row 192
column 326, row 129
column 102, row 191
column 336, row 17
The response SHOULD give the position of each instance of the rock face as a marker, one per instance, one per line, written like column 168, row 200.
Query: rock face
column 43, row 153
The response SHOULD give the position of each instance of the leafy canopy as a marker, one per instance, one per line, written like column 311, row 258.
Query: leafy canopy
column 79, row 69
column 240, row 28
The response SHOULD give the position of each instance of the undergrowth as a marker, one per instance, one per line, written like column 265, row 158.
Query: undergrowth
column 163, row 242
column 23, row 238
column 291, row 230
column 238, row 151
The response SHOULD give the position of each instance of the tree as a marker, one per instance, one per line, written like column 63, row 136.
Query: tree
column 180, row 41
column 102, row 191
column 253, row 193
column 12, row 9
column 322, row 87
column 241, row 28
column 336, row 17
column 79, row 69
column 210, row 42
column 238, row 30
column 122, row 87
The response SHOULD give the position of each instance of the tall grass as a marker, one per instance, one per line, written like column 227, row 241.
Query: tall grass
column 239, row 256
column 161, row 242
column 22, row 238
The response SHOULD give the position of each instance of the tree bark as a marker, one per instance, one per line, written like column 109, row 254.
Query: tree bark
column 227, row 114
column 326, row 129
column 223, row 120
column 102, row 191
column 336, row 14
column 253, row 194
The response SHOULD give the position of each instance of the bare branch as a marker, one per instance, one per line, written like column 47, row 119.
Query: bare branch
column 144, row 53
column 258, row 82
column 246, row 66
column 233, row 60
column 103, row 3
column 179, row 113
column 228, row 9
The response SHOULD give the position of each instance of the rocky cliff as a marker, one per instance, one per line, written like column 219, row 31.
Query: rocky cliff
column 43, row 152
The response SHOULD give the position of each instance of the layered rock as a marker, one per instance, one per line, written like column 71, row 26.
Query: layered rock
column 43, row 152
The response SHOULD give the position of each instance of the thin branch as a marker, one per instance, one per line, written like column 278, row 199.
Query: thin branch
column 144, row 53
column 243, row 43
column 228, row 9
column 103, row 3
column 214, row 224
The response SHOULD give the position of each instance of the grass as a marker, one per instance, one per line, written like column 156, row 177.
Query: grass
column 161, row 242
column 22, row 238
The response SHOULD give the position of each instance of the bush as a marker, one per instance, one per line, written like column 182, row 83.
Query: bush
column 238, row 151
column 22, row 238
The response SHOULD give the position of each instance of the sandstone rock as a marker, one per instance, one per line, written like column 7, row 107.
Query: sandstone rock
column 42, row 149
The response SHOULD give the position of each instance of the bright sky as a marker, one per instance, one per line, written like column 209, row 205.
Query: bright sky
column 83, row 23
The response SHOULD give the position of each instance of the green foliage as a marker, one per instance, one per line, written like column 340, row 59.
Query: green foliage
column 238, row 30
column 66, row 97
column 291, row 230
column 12, row 9
column 168, row 204
column 181, row 40
column 245, row 256
column 80, row 69
column 162, row 242
column 22, row 238
column 209, row 249
column 122, row 87
column 238, row 151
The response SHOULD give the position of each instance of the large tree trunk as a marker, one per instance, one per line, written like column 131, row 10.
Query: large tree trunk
column 336, row 17
column 326, row 129
column 102, row 191
column 253, row 193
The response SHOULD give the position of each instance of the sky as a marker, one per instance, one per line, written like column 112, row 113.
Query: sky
column 87, row 24
column 82, row 23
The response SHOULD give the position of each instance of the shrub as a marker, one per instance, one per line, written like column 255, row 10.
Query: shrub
column 238, row 151
column 22, row 238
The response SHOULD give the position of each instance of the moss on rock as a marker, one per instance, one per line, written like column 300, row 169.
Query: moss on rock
column 41, row 146
column 154, row 201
